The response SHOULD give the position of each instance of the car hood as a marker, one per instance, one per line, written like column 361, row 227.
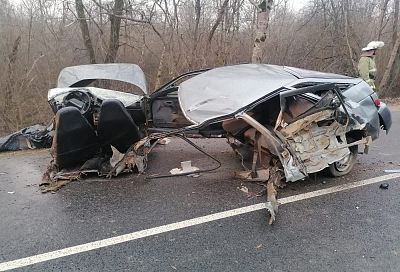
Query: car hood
column 226, row 90
column 83, row 75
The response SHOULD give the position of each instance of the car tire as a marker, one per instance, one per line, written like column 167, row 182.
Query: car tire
column 345, row 165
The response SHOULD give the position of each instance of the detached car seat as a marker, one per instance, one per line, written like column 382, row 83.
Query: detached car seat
column 116, row 127
column 75, row 139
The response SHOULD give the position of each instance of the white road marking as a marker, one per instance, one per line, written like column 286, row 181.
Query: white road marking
column 180, row 225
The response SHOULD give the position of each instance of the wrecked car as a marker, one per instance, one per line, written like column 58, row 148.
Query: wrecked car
column 283, row 122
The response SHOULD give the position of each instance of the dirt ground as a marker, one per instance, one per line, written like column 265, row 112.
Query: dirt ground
column 393, row 103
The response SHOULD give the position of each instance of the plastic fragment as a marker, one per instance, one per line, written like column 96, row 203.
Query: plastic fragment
column 384, row 186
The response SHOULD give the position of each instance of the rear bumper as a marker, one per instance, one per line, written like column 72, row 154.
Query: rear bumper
column 385, row 117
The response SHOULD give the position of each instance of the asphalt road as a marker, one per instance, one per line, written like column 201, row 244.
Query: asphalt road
column 351, row 230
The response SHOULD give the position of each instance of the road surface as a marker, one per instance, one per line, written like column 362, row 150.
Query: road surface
column 197, row 224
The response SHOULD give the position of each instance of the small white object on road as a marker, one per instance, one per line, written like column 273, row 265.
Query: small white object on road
column 186, row 167
column 244, row 189
column 393, row 171
column 11, row 193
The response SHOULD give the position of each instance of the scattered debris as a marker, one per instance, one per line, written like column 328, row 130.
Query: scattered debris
column 260, row 175
column 11, row 193
column 384, row 186
column 164, row 141
column 244, row 189
column 186, row 167
column 248, row 193
column 53, row 179
column 32, row 137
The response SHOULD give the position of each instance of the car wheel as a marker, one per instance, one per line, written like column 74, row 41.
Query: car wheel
column 345, row 165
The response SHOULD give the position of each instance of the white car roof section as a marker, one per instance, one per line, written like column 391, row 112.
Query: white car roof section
column 225, row 90
column 304, row 73
column 130, row 73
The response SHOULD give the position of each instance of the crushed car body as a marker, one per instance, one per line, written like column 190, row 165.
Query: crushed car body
column 283, row 122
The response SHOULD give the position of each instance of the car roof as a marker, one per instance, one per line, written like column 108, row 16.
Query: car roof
column 304, row 73
column 225, row 90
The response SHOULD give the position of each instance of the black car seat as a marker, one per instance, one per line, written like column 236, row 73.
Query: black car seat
column 116, row 127
column 75, row 139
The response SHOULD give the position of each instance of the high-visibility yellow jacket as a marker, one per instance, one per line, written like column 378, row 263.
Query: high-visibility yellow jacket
column 367, row 70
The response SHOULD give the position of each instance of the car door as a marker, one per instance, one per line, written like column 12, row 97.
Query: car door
column 166, row 111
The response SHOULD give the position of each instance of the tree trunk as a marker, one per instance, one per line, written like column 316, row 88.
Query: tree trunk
column 160, row 69
column 115, row 20
column 392, row 67
column 8, row 97
column 197, row 11
column 218, row 21
column 395, row 21
column 264, row 9
column 388, row 71
column 80, row 10
column 381, row 19
column 345, row 7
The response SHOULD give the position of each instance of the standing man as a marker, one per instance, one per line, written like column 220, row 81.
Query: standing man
column 366, row 64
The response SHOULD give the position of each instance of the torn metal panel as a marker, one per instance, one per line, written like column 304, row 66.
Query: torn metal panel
column 292, row 172
column 317, row 139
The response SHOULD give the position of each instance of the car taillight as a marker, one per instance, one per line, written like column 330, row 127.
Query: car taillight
column 377, row 102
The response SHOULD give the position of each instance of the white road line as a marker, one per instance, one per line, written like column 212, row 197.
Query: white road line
column 180, row 225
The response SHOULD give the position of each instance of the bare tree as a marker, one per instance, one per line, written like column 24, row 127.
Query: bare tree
column 263, row 10
column 394, row 60
column 8, row 100
column 382, row 18
column 389, row 68
column 115, row 21
column 80, row 10
column 218, row 20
